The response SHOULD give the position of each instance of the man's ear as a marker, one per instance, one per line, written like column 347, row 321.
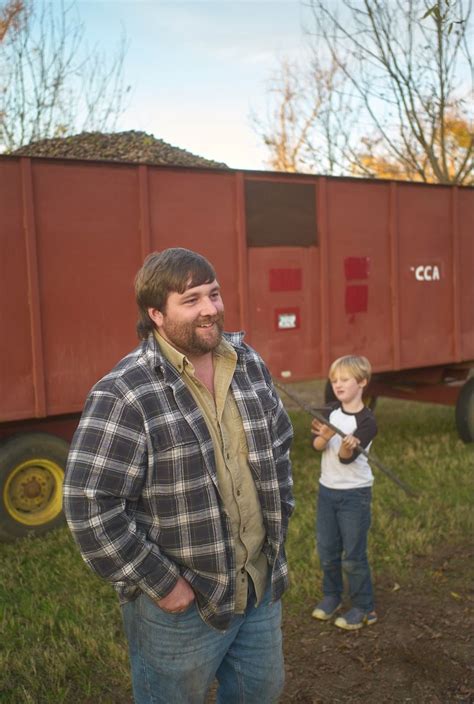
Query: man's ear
column 363, row 383
column 156, row 316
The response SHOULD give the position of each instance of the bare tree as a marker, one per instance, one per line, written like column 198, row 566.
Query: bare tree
column 51, row 83
column 305, row 109
column 407, row 70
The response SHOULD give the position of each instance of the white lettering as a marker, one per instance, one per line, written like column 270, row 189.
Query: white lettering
column 428, row 272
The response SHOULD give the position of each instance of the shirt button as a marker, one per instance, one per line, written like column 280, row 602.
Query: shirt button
column 238, row 492
column 243, row 570
column 228, row 455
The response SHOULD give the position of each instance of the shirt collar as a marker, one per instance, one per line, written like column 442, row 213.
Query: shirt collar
column 170, row 353
column 155, row 356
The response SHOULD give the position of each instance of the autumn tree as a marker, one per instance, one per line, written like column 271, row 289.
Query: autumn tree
column 405, row 80
column 51, row 82
column 457, row 136
column 10, row 15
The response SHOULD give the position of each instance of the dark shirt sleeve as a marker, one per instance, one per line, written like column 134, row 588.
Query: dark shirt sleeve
column 366, row 431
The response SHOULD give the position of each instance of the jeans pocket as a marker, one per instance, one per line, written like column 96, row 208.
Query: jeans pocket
column 182, row 612
column 364, row 495
column 153, row 613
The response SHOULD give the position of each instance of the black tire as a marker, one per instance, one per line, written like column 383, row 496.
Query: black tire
column 329, row 397
column 465, row 412
column 32, row 469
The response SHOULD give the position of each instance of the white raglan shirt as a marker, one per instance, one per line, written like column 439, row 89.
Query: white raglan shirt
column 354, row 472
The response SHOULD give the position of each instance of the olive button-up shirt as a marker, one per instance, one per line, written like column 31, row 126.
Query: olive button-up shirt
column 236, row 485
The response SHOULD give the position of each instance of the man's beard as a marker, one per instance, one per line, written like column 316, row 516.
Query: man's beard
column 190, row 338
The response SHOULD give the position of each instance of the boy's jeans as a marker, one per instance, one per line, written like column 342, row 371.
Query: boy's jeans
column 175, row 657
column 342, row 525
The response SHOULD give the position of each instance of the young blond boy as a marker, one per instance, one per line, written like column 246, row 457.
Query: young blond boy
column 345, row 488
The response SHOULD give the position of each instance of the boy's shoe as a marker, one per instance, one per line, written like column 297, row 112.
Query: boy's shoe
column 355, row 618
column 326, row 608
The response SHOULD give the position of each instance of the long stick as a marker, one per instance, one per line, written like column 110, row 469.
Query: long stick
column 372, row 459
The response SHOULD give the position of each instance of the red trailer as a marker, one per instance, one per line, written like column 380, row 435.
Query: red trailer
column 311, row 267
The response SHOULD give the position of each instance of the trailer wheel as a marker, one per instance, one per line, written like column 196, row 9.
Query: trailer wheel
column 31, row 479
column 329, row 397
column 465, row 412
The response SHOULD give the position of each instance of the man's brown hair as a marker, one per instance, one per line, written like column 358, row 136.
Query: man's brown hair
column 172, row 270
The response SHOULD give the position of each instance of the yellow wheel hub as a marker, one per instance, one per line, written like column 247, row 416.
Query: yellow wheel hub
column 33, row 492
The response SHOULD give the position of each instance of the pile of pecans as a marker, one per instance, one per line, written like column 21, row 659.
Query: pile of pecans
column 131, row 146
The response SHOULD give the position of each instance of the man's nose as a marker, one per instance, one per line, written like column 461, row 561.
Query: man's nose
column 208, row 307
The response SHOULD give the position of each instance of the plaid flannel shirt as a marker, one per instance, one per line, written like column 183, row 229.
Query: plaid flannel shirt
column 140, row 492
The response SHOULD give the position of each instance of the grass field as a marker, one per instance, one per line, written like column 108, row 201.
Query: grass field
column 60, row 627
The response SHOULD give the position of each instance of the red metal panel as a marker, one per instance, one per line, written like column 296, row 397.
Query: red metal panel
column 425, row 275
column 465, row 199
column 284, row 323
column 391, row 276
column 29, row 218
column 144, row 191
column 358, row 222
column 242, row 260
column 324, row 293
column 357, row 299
column 394, row 282
column 88, row 247
column 285, row 279
column 356, row 268
column 198, row 210
column 16, row 364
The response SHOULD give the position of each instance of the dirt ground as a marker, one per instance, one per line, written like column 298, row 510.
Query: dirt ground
column 421, row 650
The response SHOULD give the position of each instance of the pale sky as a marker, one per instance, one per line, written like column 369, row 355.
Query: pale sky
column 199, row 67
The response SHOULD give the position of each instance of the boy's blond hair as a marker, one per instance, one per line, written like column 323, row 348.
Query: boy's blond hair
column 358, row 367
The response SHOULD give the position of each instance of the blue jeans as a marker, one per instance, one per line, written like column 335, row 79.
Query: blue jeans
column 176, row 657
column 342, row 526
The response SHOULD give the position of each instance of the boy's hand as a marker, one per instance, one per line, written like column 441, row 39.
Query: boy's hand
column 348, row 445
column 321, row 430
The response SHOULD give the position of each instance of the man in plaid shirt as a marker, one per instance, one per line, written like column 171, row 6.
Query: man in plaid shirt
column 178, row 490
